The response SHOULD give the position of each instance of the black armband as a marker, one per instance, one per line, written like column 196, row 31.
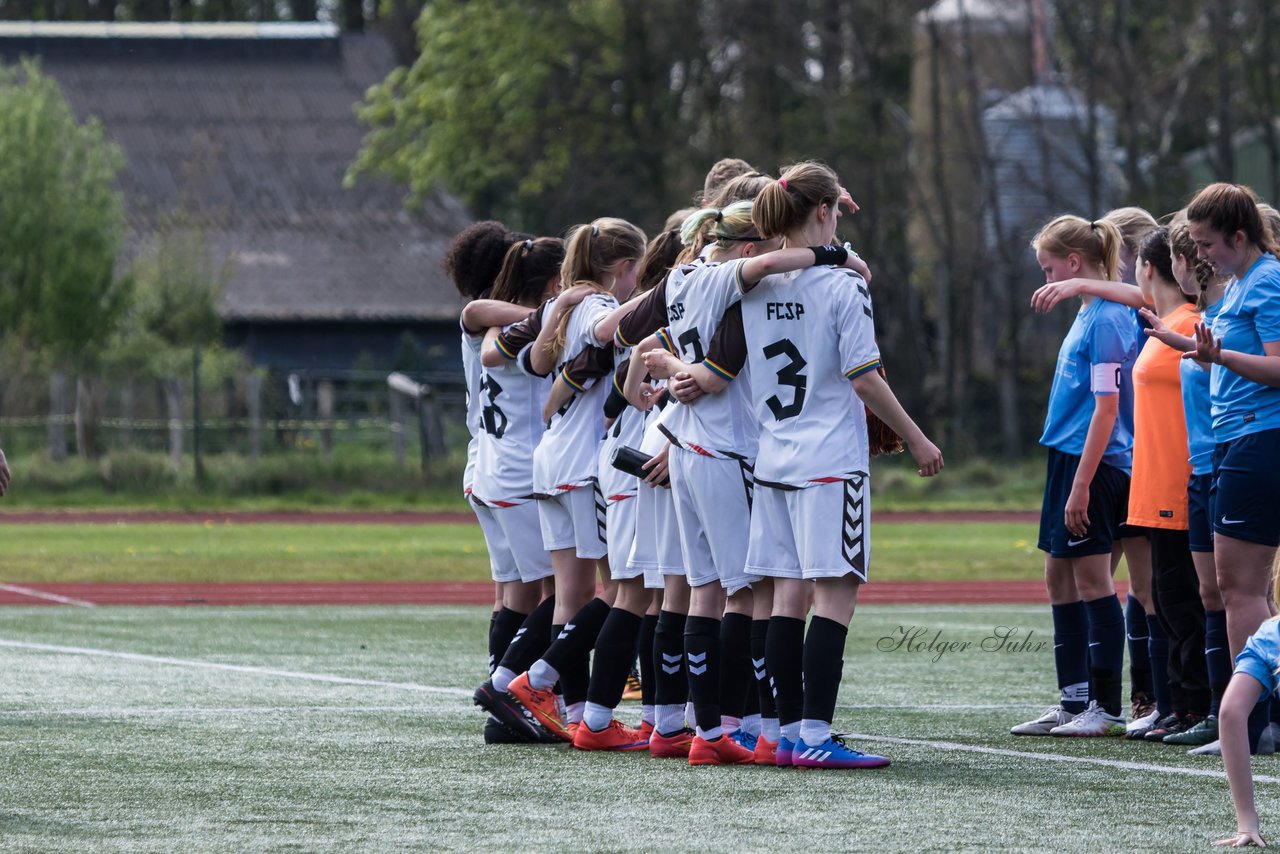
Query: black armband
column 834, row 256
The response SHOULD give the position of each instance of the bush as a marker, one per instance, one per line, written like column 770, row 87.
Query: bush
column 136, row 471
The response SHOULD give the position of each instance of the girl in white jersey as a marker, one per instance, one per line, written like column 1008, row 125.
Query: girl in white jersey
column 808, row 336
column 603, row 255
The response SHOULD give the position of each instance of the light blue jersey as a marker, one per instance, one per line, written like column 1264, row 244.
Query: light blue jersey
column 1196, row 407
column 1249, row 317
column 1104, row 333
column 1261, row 656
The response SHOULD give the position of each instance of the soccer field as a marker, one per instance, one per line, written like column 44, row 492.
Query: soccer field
column 244, row 729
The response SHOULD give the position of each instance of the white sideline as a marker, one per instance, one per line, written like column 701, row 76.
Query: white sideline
column 460, row 692
column 1054, row 757
column 235, row 668
column 51, row 597
column 126, row 712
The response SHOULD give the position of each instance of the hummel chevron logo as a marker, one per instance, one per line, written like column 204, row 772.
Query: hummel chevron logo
column 694, row 661
column 697, row 659
column 671, row 663
column 758, row 665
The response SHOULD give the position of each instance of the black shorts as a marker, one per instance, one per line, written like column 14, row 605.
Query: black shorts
column 1200, row 513
column 1108, row 508
column 1246, row 488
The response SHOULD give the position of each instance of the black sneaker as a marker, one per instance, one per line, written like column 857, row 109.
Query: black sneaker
column 496, row 732
column 509, row 713
column 1170, row 724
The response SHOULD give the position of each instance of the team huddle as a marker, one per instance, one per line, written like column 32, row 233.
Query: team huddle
column 692, row 419
column 689, row 418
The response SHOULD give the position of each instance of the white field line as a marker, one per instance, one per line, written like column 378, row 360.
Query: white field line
column 51, row 597
column 234, row 668
column 935, row 707
column 1055, row 757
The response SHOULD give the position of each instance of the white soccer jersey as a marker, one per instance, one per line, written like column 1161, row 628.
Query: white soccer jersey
column 627, row 430
column 808, row 333
column 510, row 410
column 567, row 456
column 471, row 373
column 721, row 425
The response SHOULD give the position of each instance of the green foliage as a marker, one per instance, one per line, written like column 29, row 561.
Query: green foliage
column 61, row 222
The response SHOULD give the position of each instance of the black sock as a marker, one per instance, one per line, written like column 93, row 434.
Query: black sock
column 1106, row 652
column 823, row 666
column 784, row 651
column 645, row 647
column 531, row 639
column 570, row 652
column 735, row 665
column 502, row 628
column 670, row 685
column 615, row 651
column 702, row 662
column 764, row 691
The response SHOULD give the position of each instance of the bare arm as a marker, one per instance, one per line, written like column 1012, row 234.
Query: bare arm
column 541, row 359
column 560, row 394
column 1105, row 408
column 1263, row 370
column 639, row 393
column 1048, row 296
column 1164, row 334
column 1238, row 701
column 606, row 328
column 480, row 314
column 875, row 392
column 784, row 261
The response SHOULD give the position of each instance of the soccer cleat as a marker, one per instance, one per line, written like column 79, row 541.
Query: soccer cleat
column 1203, row 732
column 1139, row 727
column 508, row 712
column 615, row 736
column 1170, row 724
column 782, row 754
column 1093, row 722
column 766, row 752
column 573, row 727
column 744, row 738
column 496, row 732
column 632, row 689
column 1043, row 725
column 674, row 746
column 834, row 753
column 1141, row 705
column 1266, row 744
column 722, row 751
column 646, row 729
column 541, row 705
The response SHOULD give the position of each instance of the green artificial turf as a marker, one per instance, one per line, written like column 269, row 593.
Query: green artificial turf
column 326, row 729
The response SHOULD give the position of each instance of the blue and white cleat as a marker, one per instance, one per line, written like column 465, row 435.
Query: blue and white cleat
column 834, row 753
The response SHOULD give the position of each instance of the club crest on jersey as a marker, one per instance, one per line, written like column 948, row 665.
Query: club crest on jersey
column 783, row 310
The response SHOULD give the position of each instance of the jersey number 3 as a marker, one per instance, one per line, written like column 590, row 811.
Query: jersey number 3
column 788, row 375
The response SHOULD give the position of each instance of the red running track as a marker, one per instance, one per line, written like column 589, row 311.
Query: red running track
column 453, row 593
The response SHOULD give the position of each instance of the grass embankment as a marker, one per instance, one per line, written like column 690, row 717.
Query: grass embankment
column 217, row 551
column 356, row 478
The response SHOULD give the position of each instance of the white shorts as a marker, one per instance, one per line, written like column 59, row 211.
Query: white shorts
column 620, row 522
column 713, row 512
column 574, row 520
column 822, row 531
column 502, row 563
column 657, row 542
column 522, row 526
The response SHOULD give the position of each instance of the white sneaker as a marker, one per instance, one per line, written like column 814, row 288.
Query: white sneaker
column 1053, row 717
column 1266, row 744
column 1144, row 722
column 1093, row 722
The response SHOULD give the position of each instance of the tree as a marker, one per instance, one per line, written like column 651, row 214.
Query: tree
column 61, row 228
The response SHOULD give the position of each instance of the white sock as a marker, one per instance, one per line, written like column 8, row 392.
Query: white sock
column 730, row 724
column 670, row 718
column 596, row 716
column 791, row 732
column 689, row 715
column 751, row 725
column 1077, row 693
column 711, row 734
column 814, row 732
column 646, row 715
column 769, row 729
column 542, row 675
column 502, row 678
column 573, row 713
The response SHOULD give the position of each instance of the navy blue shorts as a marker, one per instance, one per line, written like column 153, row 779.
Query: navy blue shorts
column 1246, row 488
column 1200, row 513
column 1108, row 508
